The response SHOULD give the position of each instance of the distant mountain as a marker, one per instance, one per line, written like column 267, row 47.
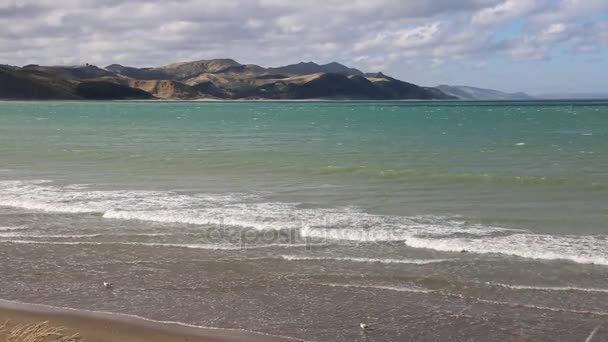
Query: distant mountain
column 314, row 68
column 228, row 79
column 473, row 93
column 136, row 73
column 215, row 78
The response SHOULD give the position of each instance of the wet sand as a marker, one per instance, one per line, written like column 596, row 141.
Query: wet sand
column 106, row 327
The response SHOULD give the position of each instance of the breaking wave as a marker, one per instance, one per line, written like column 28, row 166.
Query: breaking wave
column 365, row 260
column 447, row 234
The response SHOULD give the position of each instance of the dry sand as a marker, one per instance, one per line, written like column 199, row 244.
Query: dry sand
column 105, row 327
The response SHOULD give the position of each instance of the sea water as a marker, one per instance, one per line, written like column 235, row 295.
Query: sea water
column 208, row 212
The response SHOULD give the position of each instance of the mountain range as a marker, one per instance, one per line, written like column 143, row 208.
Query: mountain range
column 480, row 94
column 215, row 79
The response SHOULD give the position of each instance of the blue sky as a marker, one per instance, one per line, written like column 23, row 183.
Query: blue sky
column 538, row 46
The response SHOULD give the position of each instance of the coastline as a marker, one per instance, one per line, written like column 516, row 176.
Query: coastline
column 320, row 100
column 109, row 327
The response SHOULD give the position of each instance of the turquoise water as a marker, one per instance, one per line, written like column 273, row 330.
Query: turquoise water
column 541, row 165
column 305, row 218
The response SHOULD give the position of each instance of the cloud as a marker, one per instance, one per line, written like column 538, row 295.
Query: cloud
column 568, row 10
column 394, row 35
column 418, row 36
column 504, row 11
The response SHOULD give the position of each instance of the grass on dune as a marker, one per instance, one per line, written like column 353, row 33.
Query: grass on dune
column 38, row 332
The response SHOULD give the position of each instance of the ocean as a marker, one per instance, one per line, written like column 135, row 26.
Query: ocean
column 476, row 221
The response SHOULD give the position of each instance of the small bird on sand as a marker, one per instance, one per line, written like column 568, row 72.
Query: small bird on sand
column 108, row 285
column 364, row 326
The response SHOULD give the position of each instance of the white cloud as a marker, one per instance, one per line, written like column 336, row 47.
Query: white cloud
column 376, row 40
column 528, row 50
column 504, row 11
column 568, row 10
column 418, row 36
column 375, row 35
column 555, row 29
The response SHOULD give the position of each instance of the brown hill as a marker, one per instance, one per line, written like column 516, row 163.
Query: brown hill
column 71, row 72
column 32, row 83
column 100, row 90
column 216, row 78
column 303, row 68
column 167, row 89
column 186, row 70
column 226, row 78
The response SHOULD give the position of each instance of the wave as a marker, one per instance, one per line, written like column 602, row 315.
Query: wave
column 540, row 307
column 579, row 249
column 175, row 245
column 365, row 260
column 246, row 211
column 42, row 236
column 521, row 305
column 76, row 236
column 10, row 229
column 379, row 287
column 550, row 288
column 40, row 195
column 239, row 210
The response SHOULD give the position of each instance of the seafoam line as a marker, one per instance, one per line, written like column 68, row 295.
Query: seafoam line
column 365, row 260
column 153, row 244
column 549, row 288
column 379, row 287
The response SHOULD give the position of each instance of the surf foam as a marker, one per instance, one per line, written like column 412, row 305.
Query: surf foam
column 364, row 260
column 379, row 287
column 550, row 288
column 155, row 244
column 580, row 249
column 333, row 224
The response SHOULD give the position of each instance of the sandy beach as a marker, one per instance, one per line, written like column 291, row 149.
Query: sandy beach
column 106, row 327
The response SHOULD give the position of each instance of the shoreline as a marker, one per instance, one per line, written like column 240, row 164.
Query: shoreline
column 95, row 326
column 321, row 100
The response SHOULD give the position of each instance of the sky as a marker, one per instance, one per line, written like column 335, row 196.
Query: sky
column 537, row 46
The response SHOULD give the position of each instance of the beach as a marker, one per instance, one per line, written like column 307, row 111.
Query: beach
column 301, row 220
column 105, row 327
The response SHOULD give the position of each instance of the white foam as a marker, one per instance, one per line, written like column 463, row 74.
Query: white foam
column 337, row 224
column 540, row 307
column 230, row 209
column 139, row 234
column 549, row 288
column 39, row 195
column 379, row 287
column 154, row 244
column 16, row 232
column 33, row 235
column 364, row 260
column 77, row 186
column 581, row 249
column 9, row 229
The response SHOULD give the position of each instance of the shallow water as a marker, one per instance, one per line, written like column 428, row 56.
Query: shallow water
column 303, row 219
